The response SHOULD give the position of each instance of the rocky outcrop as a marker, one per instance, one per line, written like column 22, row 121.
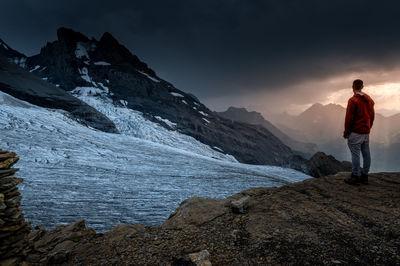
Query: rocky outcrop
column 317, row 221
column 13, row 228
column 321, row 164
column 53, row 247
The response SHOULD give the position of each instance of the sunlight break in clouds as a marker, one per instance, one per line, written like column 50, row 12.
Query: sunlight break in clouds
column 383, row 85
column 386, row 97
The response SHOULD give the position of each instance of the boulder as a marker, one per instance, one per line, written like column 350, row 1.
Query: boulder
column 321, row 164
column 194, row 212
column 240, row 205
column 201, row 258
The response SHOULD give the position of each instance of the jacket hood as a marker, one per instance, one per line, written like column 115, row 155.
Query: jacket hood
column 365, row 97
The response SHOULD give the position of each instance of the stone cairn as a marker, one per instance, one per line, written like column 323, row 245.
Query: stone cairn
column 13, row 228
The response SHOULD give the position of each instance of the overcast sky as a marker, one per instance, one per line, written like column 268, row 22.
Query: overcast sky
column 266, row 55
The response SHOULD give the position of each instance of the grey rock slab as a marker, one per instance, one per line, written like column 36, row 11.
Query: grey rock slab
column 240, row 205
column 195, row 211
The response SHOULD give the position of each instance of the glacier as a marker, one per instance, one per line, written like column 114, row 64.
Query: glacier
column 133, row 123
column 140, row 176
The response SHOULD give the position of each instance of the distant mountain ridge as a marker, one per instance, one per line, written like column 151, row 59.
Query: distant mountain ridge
column 107, row 70
column 324, row 125
column 255, row 118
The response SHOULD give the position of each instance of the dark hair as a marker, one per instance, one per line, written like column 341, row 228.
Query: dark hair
column 358, row 84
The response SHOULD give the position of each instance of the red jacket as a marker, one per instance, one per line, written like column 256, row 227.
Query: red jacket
column 360, row 114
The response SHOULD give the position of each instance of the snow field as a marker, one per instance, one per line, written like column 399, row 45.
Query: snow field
column 72, row 172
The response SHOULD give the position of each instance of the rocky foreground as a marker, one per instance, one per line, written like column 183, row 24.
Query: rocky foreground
column 317, row 221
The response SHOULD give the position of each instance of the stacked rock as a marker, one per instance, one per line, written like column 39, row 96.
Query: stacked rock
column 13, row 228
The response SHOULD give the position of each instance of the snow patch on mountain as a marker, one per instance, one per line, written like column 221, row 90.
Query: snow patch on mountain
column 87, row 91
column 102, row 63
column 105, row 88
column 148, row 76
column 206, row 120
column 166, row 121
column 124, row 103
column 20, row 61
column 81, row 51
column 85, row 75
column 215, row 147
column 35, row 68
column 176, row 94
column 4, row 45
column 202, row 113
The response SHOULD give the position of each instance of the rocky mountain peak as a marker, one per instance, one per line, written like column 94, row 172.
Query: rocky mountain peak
column 316, row 106
column 11, row 54
column 314, row 110
column 108, row 38
column 110, row 50
column 233, row 108
column 333, row 106
column 70, row 36
column 74, row 60
column 236, row 109
column 243, row 112
column 7, row 51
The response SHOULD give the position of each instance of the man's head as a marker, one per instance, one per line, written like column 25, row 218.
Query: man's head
column 358, row 84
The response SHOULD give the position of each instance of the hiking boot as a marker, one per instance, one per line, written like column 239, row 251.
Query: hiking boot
column 352, row 180
column 364, row 179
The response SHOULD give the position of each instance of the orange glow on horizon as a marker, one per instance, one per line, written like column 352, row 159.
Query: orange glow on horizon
column 386, row 97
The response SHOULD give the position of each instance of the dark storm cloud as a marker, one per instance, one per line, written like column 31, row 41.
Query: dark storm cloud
column 232, row 47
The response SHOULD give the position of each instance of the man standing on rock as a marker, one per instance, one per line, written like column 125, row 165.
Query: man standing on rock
column 360, row 116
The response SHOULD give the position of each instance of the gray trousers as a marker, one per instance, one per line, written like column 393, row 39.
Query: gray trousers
column 359, row 143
